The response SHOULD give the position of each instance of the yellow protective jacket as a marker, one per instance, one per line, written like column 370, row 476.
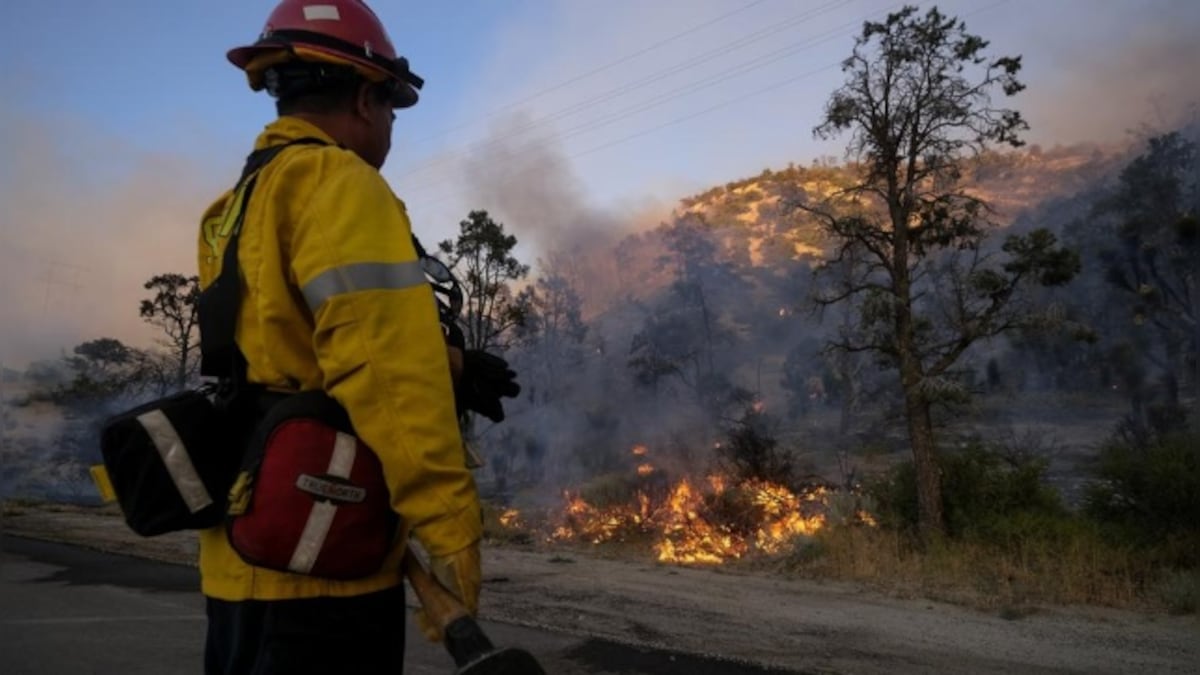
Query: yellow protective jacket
column 333, row 298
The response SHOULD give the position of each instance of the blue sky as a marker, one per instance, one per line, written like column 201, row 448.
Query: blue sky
column 121, row 120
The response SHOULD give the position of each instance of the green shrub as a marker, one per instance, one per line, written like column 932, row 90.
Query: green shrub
column 1151, row 494
column 895, row 495
column 1179, row 592
column 988, row 493
column 751, row 450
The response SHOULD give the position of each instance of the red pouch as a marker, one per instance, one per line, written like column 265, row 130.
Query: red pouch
column 311, row 498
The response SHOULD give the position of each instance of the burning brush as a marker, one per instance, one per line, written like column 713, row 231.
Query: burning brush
column 702, row 522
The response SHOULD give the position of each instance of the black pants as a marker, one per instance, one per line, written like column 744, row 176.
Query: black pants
column 362, row 634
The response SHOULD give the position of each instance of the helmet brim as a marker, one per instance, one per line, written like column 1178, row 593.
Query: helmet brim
column 404, row 95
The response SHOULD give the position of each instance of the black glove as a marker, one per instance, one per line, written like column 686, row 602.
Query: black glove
column 453, row 334
column 485, row 379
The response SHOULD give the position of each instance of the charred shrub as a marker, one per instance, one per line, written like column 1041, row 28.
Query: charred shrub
column 1151, row 492
column 751, row 450
column 1157, row 425
column 988, row 493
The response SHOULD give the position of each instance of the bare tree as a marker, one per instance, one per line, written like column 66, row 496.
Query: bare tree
column 917, row 104
column 1151, row 254
column 551, row 337
column 173, row 309
column 687, row 332
column 482, row 257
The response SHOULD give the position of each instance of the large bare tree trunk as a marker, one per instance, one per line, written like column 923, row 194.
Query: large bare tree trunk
column 1196, row 360
column 930, row 522
column 930, row 519
column 849, row 394
column 184, row 357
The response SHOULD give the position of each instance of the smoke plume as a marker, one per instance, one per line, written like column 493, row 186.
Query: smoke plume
column 528, row 183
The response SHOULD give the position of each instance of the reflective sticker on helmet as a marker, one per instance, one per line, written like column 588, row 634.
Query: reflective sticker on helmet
column 321, row 13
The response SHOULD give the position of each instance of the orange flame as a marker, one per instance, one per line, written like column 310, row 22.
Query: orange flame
column 717, row 481
column 783, row 517
column 511, row 518
column 689, row 538
column 722, row 519
column 598, row 525
column 719, row 521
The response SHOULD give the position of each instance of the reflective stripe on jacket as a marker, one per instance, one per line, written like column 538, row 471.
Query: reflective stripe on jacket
column 333, row 298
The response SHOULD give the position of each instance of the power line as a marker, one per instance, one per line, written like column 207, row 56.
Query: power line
column 705, row 111
column 660, row 127
column 685, row 118
column 689, row 88
column 73, row 283
column 13, row 249
column 659, row 75
column 589, row 73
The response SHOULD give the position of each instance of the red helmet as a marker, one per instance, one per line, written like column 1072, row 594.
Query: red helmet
column 344, row 32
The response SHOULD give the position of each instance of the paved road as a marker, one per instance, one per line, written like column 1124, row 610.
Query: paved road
column 72, row 610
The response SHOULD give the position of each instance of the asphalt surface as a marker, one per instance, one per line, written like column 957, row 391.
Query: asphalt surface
column 65, row 609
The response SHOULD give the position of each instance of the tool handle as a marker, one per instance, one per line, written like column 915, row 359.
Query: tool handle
column 464, row 639
column 440, row 605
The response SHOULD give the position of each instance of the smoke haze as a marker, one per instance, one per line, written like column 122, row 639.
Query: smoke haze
column 1137, row 69
column 86, row 221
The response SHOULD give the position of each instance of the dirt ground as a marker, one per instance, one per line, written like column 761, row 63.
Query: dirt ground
column 796, row 625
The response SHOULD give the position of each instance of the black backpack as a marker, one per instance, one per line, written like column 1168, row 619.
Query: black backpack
column 171, row 461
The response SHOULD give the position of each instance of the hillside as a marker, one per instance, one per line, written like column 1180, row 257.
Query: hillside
column 755, row 229
column 720, row 292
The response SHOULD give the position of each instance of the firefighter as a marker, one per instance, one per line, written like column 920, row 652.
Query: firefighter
column 334, row 299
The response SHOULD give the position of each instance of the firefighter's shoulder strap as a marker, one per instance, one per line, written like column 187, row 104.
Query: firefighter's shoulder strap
column 217, row 307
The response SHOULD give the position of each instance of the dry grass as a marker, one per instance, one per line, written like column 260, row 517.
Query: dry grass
column 1013, row 578
column 1081, row 569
